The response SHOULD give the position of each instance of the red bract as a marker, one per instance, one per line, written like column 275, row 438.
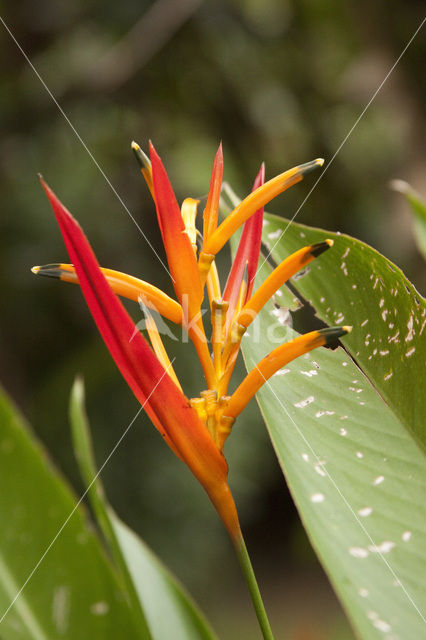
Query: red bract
column 167, row 407
column 247, row 253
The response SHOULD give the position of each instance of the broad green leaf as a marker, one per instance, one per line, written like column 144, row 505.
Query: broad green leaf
column 49, row 554
column 418, row 208
column 356, row 473
column 358, row 479
column 156, row 596
column 354, row 284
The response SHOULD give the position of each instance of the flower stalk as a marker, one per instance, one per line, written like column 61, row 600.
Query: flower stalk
column 253, row 587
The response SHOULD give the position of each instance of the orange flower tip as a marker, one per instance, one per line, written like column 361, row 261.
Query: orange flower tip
column 141, row 157
column 330, row 334
column 303, row 169
column 48, row 270
column 319, row 248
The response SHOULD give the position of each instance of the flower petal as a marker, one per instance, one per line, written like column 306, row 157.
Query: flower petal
column 144, row 164
column 278, row 358
column 123, row 285
column 254, row 201
column 211, row 212
column 180, row 254
column 276, row 279
column 167, row 407
column 157, row 344
column 247, row 253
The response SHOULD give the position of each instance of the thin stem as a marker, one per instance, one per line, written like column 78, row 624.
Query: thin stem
column 247, row 569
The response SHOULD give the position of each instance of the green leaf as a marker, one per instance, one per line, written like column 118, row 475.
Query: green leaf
column 157, row 598
column 49, row 554
column 418, row 208
column 353, row 284
column 356, row 472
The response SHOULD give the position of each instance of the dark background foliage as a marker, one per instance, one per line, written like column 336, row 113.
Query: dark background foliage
column 279, row 80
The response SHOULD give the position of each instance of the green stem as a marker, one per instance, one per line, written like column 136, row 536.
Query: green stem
column 247, row 569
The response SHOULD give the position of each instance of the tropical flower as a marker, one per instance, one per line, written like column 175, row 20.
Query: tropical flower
column 196, row 428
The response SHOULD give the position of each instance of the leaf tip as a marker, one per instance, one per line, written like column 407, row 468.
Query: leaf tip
column 77, row 390
column 400, row 185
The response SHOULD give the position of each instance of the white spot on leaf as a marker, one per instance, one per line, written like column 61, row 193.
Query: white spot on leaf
column 282, row 372
column 275, row 234
column 99, row 608
column 304, row 403
column 358, row 552
column 319, row 468
column 410, row 327
column 61, row 608
column 282, row 314
column 381, row 625
column 384, row 547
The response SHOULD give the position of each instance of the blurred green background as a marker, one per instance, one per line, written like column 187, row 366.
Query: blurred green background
column 276, row 80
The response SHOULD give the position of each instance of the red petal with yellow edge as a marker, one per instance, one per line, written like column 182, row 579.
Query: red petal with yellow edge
column 211, row 212
column 180, row 254
column 248, row 252
column 165, row 404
